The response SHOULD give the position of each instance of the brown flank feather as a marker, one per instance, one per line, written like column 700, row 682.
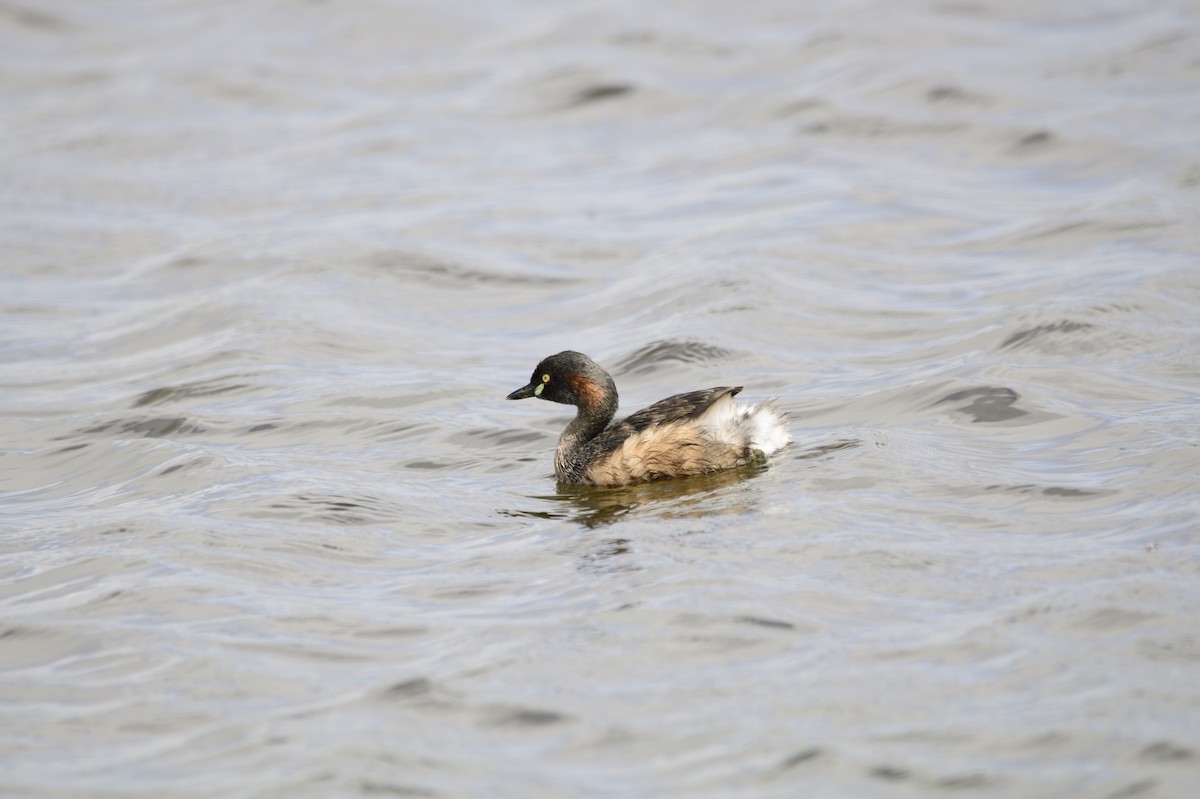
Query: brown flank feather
column 667, row 439
column 674, row 450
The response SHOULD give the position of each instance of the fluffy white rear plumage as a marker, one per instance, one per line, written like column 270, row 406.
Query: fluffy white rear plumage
column 761, row 425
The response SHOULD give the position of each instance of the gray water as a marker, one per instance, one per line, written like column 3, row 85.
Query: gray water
column 269, row 527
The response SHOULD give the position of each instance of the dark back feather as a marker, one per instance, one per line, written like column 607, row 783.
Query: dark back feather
column 678, row 408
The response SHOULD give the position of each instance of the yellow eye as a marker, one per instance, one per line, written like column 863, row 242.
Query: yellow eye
column 545, row 378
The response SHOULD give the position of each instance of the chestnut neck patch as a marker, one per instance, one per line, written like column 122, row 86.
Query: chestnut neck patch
column 588, row 390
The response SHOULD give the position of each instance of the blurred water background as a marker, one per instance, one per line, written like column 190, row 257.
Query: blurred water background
column 269, row 527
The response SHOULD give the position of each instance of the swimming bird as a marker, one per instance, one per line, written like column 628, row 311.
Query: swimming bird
column 688, row 434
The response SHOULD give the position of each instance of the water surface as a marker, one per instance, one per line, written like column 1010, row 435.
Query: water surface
column 270, row 529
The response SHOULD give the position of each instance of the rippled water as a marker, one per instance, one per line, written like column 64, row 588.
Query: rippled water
column 270, row 529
